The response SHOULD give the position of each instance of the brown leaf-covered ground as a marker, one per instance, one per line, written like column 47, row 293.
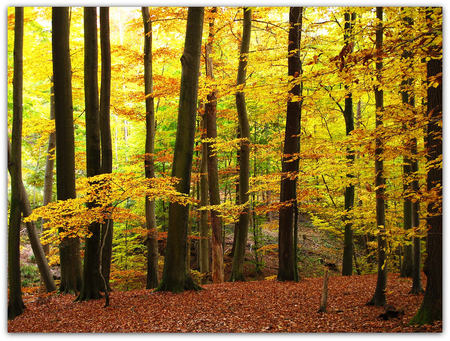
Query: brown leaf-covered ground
column 259, row 306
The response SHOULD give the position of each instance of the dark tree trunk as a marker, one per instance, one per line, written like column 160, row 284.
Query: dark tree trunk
column 49, row 163
column 288, row 196
column 349, row 196
column 431, row 308
column 203, row 244
column 407, row 96
column 106, row 144
column 69, row 248
column 237, row 270
column 379, row 297
column 176, row 277
column 91, row 269
column 150, row 215
column 15, row 302
column 213, row 168
column 417, row 241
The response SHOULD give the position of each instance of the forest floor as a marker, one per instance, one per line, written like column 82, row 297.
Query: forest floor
column 251, row 307
column 259, row 305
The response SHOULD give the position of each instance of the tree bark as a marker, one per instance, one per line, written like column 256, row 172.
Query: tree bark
column 15, row 302
column 65, row 143
column 176, row 277
column 203, row 227
column 49, row 163
column 431, row 308
column 288, row 196
column 150, row 215
column 237, row 270
column 91, row 269
column 379, row 297
column 213, row 168
column 323, row 303
column 349, row 196
column 105, row 136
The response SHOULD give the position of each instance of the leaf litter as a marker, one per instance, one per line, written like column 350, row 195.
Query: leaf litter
column 240, row 307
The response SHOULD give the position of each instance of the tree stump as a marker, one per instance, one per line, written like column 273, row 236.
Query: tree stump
column 323, row 304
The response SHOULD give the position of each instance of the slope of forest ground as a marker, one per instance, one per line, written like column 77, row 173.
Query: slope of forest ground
column 257, row 306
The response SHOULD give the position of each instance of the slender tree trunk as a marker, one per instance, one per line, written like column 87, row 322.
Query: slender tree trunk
column 105, row 136
column 417, row 241
column 379, row 297
column 407, row 96
column 91, row 269
column 203, row 228
column 49, row 163
column 237, row 270
column 288, row 196
column 213, row 168
column 150, row 214
column 431, row 308
column 176, row 277
column 69, row 248
column 15, row 302
column 349, row 197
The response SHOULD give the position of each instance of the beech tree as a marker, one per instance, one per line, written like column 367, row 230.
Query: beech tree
column 176, row 277
column 237, row 270
column 212, row 162
column 379, row 297
column 150, row 215
column 105, row 139
column 91, row 265
column 69, row 248
column 288, row 195
column 349, row 197
column 431, row 308
column 15, row 302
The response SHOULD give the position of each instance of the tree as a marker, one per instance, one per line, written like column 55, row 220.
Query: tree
column 150, row 215
column 212, row 162
column 237, row 270
column 91, row 268
column 379, row 297
column 176, row 277
column 290, row 164
column 69, row 248
column 15, row 302
column 105, row 137
column 431, row 308
column 50, row 162
column 349, row 197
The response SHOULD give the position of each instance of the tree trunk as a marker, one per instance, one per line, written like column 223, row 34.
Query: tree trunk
column 15, row 302
column 417, row 241
column 237, row 270
column 431, row 308
column 349, row 197
column 408, row 101
column 91, row 266
column 65, row 143
column 213, row 168
column 105, row 136
column 323, row 303
column 288, row 196
column 49, row 163
column 176, row 277
column 150, row 215
column 379, row 297
column 203, row 228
